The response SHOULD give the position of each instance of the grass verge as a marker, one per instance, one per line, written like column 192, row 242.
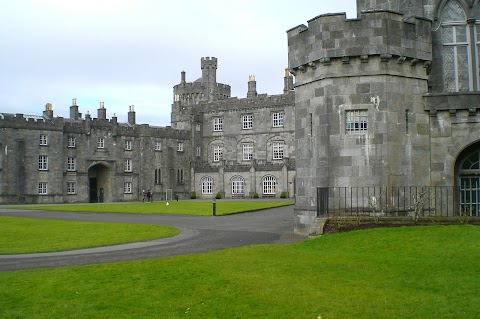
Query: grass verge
column 31, row 235
column 197, row 208
column 408, row 272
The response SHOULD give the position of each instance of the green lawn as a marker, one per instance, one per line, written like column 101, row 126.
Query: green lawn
column 30, row 235
column 198, row 208
column 409, row 272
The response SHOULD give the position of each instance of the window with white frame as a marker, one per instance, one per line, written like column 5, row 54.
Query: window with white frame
column 71, row 164
column 71, row 188
column 277, row 150
column 247, row 151
column 43, row 140
column 277, row 119
column 128, row 145
column 197, row 127
column 127, row 187
column 207, row 185
column 217, row 153
column 238, row 183
column 269, row 184
column 247, row 121
column 180, row 147
column 71, row 142
column 356, row 121
column 456, row 47
column 158, row 176
column 199, row 151
column 100, row 142
column 158, row 146
column 180, row 176
column 128, row 165
column 217, row 124
column 42, row 162
column 42, row 188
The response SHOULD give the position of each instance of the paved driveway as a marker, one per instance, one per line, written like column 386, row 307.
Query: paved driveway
column 199, row 234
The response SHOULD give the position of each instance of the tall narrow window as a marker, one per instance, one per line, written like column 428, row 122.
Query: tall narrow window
column 356, row 121
column 455, row 39
column 158, row 146
column 43, row 140
column 71, row 188
column 238, row 183
column 71, row 142
column 269, row 185
column 199, row 151
column 100, row 142
column 207, row 185
column 128, row 165
column 158, row 176
column 71, row 164
column 247, row 151
column 128, row 145
column 42, row 162
column 127, row 187
column 180, row 176
column 277, row 150
column 42, row 188
column 180, row 147
column 217, row 153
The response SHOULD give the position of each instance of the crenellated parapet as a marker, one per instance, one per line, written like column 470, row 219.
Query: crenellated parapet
column 192, row 93
column 382, row 36
column 261, row 100
column 34, row 122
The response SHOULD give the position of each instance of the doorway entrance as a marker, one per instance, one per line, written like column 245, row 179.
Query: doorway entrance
column 99, row 184
column 467, row 180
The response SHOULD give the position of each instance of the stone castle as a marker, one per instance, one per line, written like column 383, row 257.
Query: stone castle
column 390, row 98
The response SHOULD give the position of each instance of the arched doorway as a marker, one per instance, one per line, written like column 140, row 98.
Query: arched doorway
column 467, row 180
column 99, row 184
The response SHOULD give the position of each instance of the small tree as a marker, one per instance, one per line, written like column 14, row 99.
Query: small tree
column 193, row 195
column 255, row 195
column 218, row 196
column 282, row 195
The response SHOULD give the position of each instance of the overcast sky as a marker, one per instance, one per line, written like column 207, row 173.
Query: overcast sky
column 124, row 52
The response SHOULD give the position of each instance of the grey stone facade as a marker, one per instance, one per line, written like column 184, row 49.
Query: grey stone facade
column 387, row 99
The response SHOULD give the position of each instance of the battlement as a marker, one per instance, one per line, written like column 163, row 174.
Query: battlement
column 262, row 100
column 34, row 122
column 374, row 33
column 208, row 62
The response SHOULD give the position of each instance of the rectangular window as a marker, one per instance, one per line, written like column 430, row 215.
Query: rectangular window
column 180, row 176
column 218, row 124
column 247, row 150
column 199, row 151
column 197, row 127
column 128, row 165
column 71, row 188
column 158, row 176
column 277, row 150
column 158, row 146
column 101, row 142
column 42, row 162
column 180, row 147
column 217, row 153
column 128, row 145
column 42, row 188
column 356, row 121
column 71, row 164
column 71, row 141
column 127, row 187
column 43, row 140
column 247, row 121
column 277, row 119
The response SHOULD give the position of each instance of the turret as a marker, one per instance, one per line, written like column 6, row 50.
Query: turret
column 209, row 70
column 252, row 87
column 287, row 82
column 182, row 80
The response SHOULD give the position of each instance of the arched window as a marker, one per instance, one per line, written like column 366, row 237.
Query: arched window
column 238, row 183
column 455, row 40
column 269, row 185
column 207, row 185
column 469, row 179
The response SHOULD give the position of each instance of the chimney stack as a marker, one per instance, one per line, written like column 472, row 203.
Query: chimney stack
column 252, row 87
column 131, row 115
column 102, row 112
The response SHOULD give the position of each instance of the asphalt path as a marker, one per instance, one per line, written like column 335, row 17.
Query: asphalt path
column 199, row 234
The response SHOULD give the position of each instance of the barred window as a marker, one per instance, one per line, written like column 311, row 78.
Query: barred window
column 217, row 153
column 277, row 119
column 42, row 162
column 247, row 121
column 356, row 121
column 71, row 142
column 218, row 124
column 71, row 164
column 100, row 142
column 42, row 188
column 207, row 185
column 128, row 165
column 127, row 187
column 43, row 140
column 247, row 151
column 71, row 188
column 277, row 150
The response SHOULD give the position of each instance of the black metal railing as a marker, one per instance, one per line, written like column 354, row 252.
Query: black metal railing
column 398, row 201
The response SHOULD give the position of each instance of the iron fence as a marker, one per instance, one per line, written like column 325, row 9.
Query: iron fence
column 396, row 201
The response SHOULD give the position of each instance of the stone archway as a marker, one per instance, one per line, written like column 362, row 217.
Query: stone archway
column 467, row 179
column 99, row 184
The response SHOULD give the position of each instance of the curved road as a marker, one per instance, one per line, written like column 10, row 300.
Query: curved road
column 198, row 234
